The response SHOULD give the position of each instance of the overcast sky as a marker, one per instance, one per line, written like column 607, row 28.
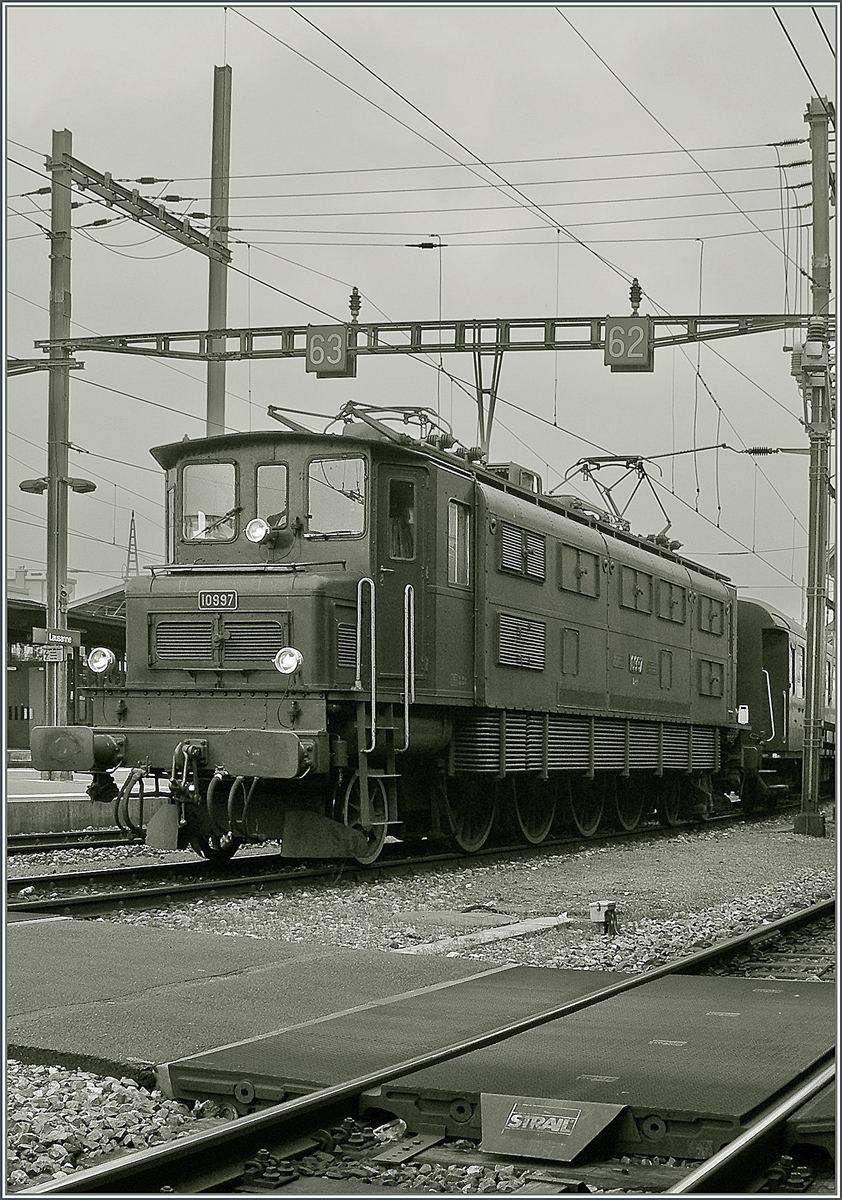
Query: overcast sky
column 647, row 136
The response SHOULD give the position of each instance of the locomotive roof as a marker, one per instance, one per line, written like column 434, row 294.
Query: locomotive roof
column 170, row 454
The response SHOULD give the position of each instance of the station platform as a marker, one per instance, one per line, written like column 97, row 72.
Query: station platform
column 250, row 1021
column 38, row 805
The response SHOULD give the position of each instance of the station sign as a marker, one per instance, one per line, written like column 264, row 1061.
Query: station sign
column 628, row 344
column 56, row 637
column 327, row 352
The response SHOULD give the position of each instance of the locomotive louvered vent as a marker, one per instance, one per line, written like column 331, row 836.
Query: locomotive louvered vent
column 512, row 548
column 522, row 642
column 512, row 741
column 536, row 556
column 346, row 645
column 252, row 641
column 184, row 639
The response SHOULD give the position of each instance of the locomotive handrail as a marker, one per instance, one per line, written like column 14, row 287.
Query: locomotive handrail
column 358, row 683
column 771, row 736
column 408, row 661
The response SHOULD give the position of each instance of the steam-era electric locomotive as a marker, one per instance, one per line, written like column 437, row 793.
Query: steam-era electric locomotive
column 362, row 633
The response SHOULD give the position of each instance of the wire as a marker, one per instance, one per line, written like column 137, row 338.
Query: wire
column 488, row 185
column 472, row 208
column 529, row 204
column 803, row 67
column 663, row 127
column 824, row 33
column 482, row 245
column 505, row 162
column 88, row 537
column 487, row 208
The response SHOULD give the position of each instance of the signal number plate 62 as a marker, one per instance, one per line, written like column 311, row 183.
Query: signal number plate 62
column 218, row 600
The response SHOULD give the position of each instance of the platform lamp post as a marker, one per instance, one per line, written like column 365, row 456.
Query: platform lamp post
column 56, row 670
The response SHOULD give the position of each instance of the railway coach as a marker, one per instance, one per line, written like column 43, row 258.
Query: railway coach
column 364, row 632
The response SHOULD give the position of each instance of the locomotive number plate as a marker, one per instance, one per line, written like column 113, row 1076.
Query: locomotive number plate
column 218, row 600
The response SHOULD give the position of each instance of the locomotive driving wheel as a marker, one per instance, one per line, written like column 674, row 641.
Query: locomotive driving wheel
column 375, row 833
column 629, row 802
column 535, row 807
column 587, row 802
column 471, row 806
column 668, row 804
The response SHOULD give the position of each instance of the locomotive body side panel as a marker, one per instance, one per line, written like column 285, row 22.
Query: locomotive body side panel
column 649, row 637
column 455, row 575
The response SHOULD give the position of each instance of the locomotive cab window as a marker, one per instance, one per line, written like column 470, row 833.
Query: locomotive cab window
column 401, row 519
column 208, row 502
column 272, row 496
column 336, row 497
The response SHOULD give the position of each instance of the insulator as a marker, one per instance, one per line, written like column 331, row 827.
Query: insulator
column 635, row 294
column 150, row 179
column 446, row 440
column 759, row 451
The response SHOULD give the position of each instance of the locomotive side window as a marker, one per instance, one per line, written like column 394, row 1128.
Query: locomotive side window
column 635, row 589
column 208, row 502
column 401, row 519
column 272, row 501
column 672, row 602
column 578, row 571
column 523, row 552
column 336, row 491
column 458, row 543
column 799, row 672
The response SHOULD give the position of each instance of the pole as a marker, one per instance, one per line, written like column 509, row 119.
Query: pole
column 816, row 387
column 58, row 420
column 217, row 272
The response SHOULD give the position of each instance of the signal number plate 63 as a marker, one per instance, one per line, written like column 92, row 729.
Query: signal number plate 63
column 218, row 600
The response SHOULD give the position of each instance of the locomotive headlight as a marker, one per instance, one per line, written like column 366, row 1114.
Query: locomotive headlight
column 288, row 660
column 101, row 659
column 258, row 530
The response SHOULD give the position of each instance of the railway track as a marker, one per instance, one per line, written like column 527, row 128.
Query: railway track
column 95, row 892
column 69, row 839
column 230, row 1157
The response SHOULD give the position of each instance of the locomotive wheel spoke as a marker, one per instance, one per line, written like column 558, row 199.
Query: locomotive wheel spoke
column 535, row 807
column 630, row 802
column 587, row 801
column 472, row 806
column 669, row 801
column 377, row 831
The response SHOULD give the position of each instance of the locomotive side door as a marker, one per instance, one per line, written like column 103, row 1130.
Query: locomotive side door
column 401, row 561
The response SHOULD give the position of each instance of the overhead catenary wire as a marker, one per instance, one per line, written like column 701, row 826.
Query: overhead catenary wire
column 527, row 203
column 661, row 125
column 816, row 91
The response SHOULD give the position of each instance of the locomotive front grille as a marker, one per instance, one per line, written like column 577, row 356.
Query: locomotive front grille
column 252, row 641
column 191, row 640
column 216, row 641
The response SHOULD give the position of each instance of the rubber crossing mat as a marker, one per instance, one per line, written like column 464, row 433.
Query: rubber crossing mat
column 344, row 1045
column 693, row 1057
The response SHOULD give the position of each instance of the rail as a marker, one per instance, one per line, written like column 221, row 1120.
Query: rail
column 358, row 684
column 408, row 661
column 771, row 736
column 739, row 1162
